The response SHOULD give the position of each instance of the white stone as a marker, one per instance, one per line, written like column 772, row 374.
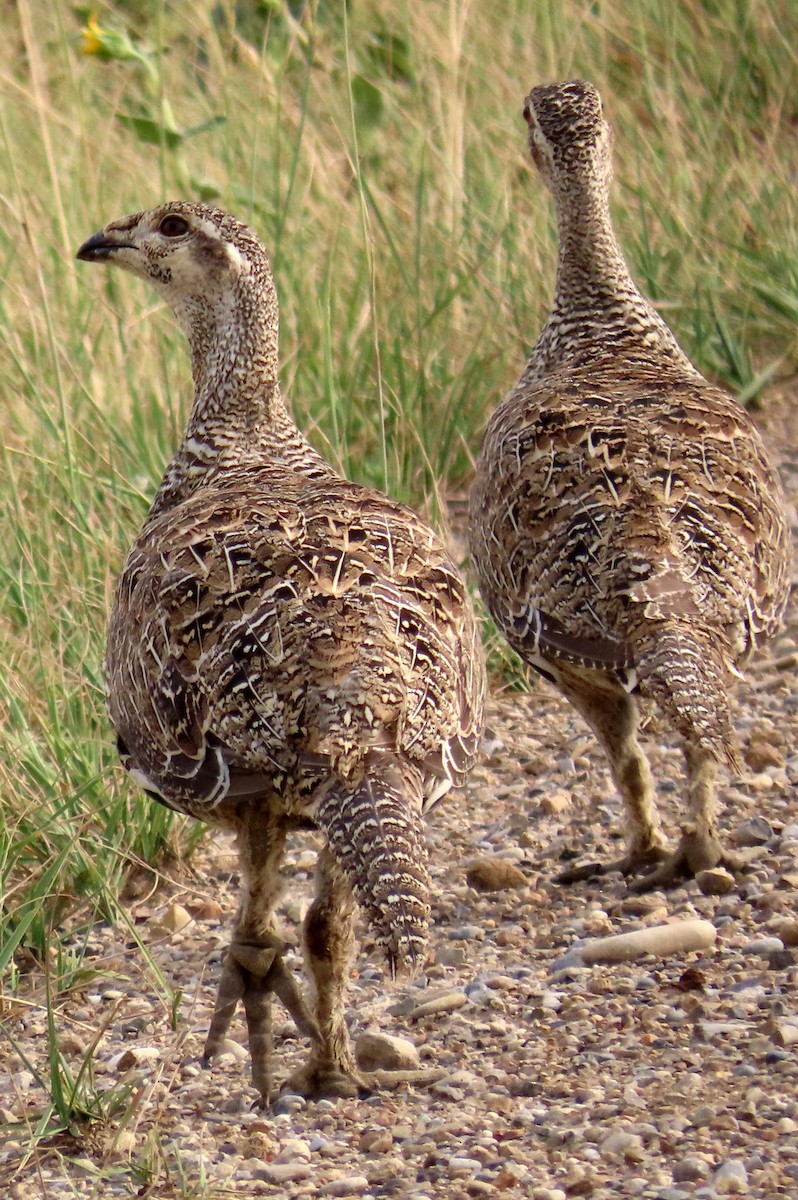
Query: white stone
column 622, row 1145
column 376, row 1051
column 294, row 1150
column 678, row 937
column 348, row 1185
column 731, row 1178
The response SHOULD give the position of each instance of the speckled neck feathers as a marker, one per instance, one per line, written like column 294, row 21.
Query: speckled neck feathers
column 238, row 419
column 597, row 310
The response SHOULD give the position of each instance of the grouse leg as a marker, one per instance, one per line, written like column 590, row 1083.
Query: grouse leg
column 613, row 717
column 329, row 946
column 254, row 966
column 700, row 847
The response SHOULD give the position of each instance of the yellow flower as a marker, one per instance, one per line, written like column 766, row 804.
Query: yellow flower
column 91, row 37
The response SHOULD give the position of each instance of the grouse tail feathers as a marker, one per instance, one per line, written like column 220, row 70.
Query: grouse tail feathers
column 374, row 829
column 689, row 677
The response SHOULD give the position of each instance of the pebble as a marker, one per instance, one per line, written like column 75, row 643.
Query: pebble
column 134, row 1056
column 446, row 1002
column 731, row 1178
column 375, row 1141
column 282, row 1173
column 287, row 1103
column 175, row 918
column 376, row 1051
column 622, row 1145
column 494, row 875
column 784, row 1032
column 763, row 947
column 450, row 956
column 679, row 937
column 347, row 1185
column 467, row 933
column 294, row 1150
column 690, row 1170
column 234, row 1049
column 555, row 804
column 458, row 1165
column 716, row 881
column 756, row 832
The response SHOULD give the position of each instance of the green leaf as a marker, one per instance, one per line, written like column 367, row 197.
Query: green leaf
column 368, row 102
column 211, row 123
column 152, row 132
column 392, row 53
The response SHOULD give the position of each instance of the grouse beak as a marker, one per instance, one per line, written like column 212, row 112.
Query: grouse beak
column 100, row 247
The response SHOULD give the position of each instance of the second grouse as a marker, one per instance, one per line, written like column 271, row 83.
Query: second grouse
column 627, row 528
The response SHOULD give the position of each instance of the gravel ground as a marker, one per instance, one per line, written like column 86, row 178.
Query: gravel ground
column 667, row 1077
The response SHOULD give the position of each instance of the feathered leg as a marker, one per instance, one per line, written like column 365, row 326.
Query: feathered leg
column 700, row 847
column 613, row 717
column 329, row 947
column 253, row 967
column 376, row 851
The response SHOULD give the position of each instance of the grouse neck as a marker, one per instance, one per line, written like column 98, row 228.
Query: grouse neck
column 234, row 362
column 238, row 420
column 590, row 265
column 597, row 308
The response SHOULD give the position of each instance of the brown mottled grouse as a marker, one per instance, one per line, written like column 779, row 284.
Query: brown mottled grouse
column 627, row 528
column 286, row 649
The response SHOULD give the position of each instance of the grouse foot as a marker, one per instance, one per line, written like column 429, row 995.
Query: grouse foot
column 251, row 973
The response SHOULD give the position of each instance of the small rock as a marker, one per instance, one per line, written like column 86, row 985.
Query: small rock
column 281, row 1173
column 731, row 1178
column 467, row 933
column 788, row 932
column 784, row 1032
column 288, row 1102
column 717, row 881
column 210, row 910
column 175, row 918
column 294, row 1150
column 494, row 875
column 450, row 956
column 347, row 1185
column 678, row 937
column 377, row 1051
column 134, row 1056
column 763, row 947
column 690, row 1170
column 760, row 755
column 622, row 1145
column 446, row 1002
column 234, row 1049
column 692, row 980
column 460, row 1165
column 555, row 804
column 375, row 1141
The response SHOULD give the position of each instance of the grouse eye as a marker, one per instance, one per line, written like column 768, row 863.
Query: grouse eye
column 173, row 227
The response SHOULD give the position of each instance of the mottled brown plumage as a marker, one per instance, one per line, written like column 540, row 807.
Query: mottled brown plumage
column 628, row 531
column 286, row 648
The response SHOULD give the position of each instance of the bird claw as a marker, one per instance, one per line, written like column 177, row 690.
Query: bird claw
column 317, row 1080
column 630, row 864
column 251, row 973
column 698, row 850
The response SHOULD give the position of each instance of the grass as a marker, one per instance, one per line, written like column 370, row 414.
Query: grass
column 379, row 151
